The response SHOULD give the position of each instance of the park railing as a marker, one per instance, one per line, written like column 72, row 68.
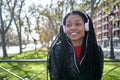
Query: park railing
column 115, row 67
column 44, row 61
column 20, row 61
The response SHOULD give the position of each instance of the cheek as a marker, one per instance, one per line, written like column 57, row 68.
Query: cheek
column 82, row 32
column 67, row 31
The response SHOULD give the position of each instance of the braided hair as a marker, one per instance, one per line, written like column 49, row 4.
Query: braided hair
column 89, row 39
column 89, row 45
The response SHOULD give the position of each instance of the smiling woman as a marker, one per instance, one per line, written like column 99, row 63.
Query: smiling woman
column 75, row 29
column 75, row 55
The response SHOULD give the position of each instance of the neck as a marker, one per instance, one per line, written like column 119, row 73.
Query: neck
column 77, row 42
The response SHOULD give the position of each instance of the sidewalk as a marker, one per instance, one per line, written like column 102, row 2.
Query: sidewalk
column 107, row 53
column 15, row 49
column 108, row 49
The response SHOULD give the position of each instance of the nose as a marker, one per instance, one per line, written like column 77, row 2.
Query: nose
column 73, row 27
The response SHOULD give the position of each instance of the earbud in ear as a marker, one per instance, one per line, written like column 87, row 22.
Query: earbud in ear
column 87, row 26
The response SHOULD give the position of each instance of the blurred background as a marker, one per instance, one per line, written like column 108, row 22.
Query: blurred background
column 31, row 25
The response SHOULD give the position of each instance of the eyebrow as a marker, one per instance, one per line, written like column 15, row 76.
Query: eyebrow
column 75, row 20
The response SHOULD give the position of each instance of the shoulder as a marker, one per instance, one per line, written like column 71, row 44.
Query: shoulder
column 58, row 45
column 55, row 48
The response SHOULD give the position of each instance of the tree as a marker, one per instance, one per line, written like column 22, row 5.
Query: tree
column 28, row 30
column 7, row 7
column 88, row 6
column 49, row 17
column 19, row 22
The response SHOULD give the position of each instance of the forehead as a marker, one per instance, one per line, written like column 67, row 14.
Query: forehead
column 74, row 17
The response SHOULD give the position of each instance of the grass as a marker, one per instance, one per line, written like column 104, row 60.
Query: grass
column 37, row 70
column 31, row 70
column 113, row 75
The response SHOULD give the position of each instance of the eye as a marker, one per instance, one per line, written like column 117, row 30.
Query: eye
column 68, row 25
column 78, row 24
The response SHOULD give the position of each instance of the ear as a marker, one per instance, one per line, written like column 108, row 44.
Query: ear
column 87, row 25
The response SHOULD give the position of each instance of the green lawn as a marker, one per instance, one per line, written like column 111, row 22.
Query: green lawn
column 113, row 75
column 31, row 70
column 37, row 70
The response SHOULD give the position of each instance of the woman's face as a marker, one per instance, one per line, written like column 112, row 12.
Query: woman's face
column 74, row 27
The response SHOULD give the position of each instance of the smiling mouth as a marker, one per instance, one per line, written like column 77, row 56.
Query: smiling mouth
column 74, row 33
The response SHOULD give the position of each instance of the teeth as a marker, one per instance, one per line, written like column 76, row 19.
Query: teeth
column 73, row 33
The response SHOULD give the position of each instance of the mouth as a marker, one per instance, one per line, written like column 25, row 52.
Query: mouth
column 74, row 33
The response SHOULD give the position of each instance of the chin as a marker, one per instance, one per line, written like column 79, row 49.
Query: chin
column 75, row 39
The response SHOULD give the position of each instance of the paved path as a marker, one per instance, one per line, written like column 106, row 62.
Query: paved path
column 15, row 49
column 116, row 53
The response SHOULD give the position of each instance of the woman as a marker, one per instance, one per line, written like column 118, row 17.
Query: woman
column 75, row 55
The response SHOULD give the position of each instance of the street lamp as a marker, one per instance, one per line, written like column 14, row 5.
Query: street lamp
column 111, row 39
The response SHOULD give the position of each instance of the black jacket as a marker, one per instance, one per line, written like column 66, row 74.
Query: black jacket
column 62, row 67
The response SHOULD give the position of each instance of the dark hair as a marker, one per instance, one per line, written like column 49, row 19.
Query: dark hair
column 89, row 39
column 81, row 14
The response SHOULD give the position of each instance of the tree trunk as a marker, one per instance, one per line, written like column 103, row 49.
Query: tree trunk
column 20, row 42
column 72, row 5
column 92, row 8
column 4, row 45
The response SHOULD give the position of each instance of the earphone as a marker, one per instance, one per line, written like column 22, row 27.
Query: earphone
column 63, row 27
column 87, row 24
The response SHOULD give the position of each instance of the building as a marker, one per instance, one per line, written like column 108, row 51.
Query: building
column 107, row 24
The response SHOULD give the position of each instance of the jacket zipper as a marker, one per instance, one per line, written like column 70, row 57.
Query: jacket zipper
column 75, row 58
column 82, row 57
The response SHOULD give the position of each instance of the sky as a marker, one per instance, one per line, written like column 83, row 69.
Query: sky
column 43, row 2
